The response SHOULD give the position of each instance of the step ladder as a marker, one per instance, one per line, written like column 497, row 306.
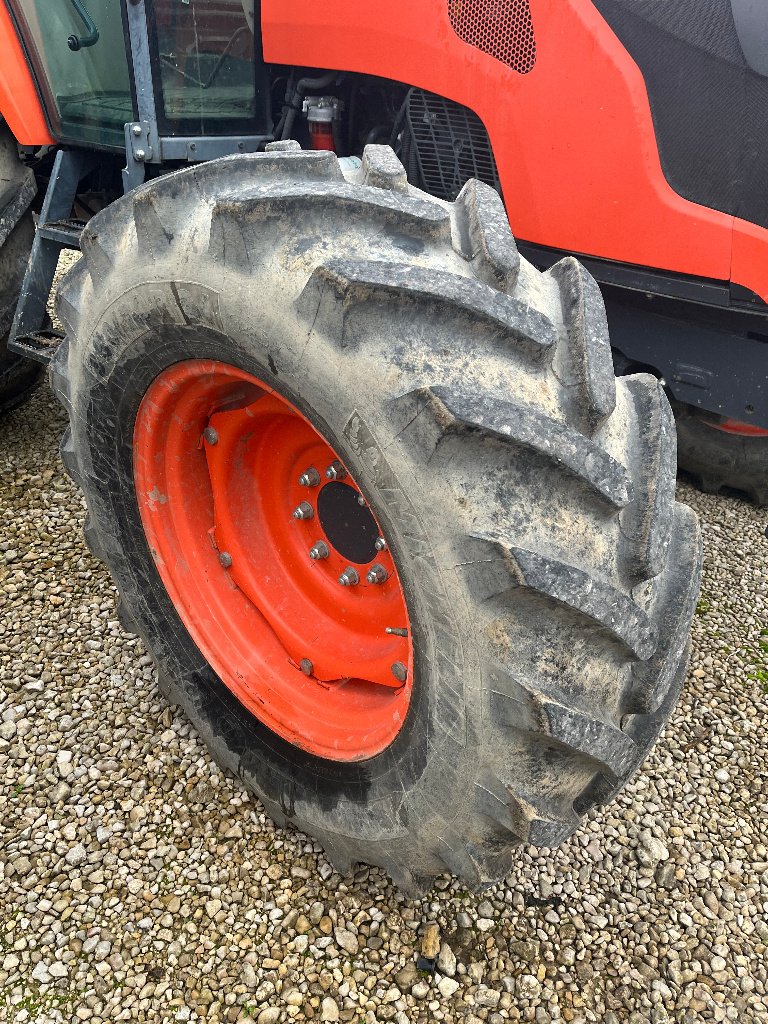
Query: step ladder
column 56, row 229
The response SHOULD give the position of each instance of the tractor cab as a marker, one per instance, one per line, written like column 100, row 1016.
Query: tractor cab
column 155, row 78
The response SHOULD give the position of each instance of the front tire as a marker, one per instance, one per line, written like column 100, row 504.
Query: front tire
column 526, row 496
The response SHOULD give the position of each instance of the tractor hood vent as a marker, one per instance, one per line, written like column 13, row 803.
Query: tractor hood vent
column 501, row 28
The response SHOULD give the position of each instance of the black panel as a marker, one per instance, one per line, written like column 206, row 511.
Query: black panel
column 709, row 344
column 702, row 362
column 710, row 108
column 704, row 291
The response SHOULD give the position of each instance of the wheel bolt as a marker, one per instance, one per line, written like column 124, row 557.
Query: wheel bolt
column 310, row 477
column 399, row 671
column 381, row 544
column 335, row 471
column 306, row 666
column 225, row 559
column 210, row 435
column 318, row 551
column 376, row 574
column 303, row 511
column 349, row 577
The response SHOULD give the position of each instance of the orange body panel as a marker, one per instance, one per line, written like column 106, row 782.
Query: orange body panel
column 573, row 139
column 19, row 103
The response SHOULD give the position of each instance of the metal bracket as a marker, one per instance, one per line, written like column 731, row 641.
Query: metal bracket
column 196, row 149
column 141, row 142
column 141, row 147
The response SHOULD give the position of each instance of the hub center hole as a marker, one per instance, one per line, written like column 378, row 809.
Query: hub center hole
column 349, row 526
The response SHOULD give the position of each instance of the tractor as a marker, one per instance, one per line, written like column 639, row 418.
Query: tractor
column 401, row 542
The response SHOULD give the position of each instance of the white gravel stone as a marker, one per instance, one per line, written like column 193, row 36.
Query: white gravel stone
column 347, row 940
column 446, row 960
column 448, row 987
column 40, row 973
column 420, row 990
column 76, row 855
column 329, row 1009
column 652, row 850
column 528, row 986
column 7, row 730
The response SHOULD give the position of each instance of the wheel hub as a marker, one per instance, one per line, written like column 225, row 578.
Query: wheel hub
column 273, row 559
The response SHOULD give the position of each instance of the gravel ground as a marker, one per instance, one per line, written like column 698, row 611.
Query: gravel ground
column 137, row 882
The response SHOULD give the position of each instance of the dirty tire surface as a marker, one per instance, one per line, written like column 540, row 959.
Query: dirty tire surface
column 526, row 494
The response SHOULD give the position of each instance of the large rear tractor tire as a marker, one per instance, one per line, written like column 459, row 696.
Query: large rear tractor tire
column 718, row 452
column 18, row 376
column 400, row 544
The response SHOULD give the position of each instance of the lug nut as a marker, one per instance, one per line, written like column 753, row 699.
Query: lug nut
column 310, row 477
column 335, row 471
column 225, row 559
column 303, row 511
column 376, row 574
column 381, row 544
column 399, row 671
column 349, row 577
column 318, row 551
column 306, row 666
column 210, row 435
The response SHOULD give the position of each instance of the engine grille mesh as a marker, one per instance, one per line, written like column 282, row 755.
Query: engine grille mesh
column 501, row 28
column 444, row 145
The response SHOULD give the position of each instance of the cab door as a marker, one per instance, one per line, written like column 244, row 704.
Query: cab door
column 78, row 53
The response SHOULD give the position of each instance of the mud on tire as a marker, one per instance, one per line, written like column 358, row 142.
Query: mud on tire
column 527, row 495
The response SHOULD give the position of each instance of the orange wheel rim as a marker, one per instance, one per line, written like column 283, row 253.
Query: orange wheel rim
column 273, row 560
